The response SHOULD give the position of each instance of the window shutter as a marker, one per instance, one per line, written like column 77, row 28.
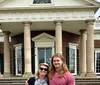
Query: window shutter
column 77, row 61
column 2, row 63
column 14, row 61
column 94, row 61
column 33, row 59
column 23, row 61
column 67, row 57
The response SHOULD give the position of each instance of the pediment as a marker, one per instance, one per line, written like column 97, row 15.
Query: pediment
column 55, row 3
column 43, row 37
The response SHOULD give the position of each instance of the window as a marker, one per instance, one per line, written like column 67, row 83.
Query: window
column 73, row 58
column 41, row 1
column 44, row 48
column 18, row 59
column 45, row 55
column 97, row 61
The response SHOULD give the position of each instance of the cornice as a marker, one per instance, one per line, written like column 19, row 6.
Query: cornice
column 49, row 7
column 94, row 2
column 1, row 1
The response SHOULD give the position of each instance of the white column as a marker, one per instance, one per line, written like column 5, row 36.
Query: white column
column 82, row 57
column 90, row 48
column 6, row 54
column 27, row 49
column 58, row 33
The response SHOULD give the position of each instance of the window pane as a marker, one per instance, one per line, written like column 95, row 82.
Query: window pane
column 41, row 55
column 48, row 55
column 72, row 60
column 98, row 63
column 18, row 55
column 45, row 55
column 41, row 1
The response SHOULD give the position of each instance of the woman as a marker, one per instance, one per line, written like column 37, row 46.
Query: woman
column 41, row 76
column 59, row 74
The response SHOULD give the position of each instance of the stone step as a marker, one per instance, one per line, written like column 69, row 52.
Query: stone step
column 21, row 81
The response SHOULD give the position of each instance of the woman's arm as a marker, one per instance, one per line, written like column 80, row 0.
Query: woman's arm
column 26, row 83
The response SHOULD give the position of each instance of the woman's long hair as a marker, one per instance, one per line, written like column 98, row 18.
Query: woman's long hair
column 52, row 68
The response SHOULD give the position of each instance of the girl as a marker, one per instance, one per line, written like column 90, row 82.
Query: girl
column 41, row 76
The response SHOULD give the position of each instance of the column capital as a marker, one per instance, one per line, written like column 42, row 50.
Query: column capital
column 27, row 22
column 82, row 30
column 58, row 21
column 90, row 21
column 6, row 32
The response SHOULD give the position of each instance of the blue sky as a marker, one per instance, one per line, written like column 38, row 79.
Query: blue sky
column 97, row 13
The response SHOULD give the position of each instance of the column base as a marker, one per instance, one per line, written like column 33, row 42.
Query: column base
column 7, row 74
column 90, row 74
column 82, row 74
column 27, row 74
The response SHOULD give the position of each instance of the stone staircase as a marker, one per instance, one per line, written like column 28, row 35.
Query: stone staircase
column 87, row 81
column 13, row 81
column 21, row 81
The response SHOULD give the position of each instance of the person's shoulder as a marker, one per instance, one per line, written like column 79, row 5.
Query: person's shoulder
column 70, row 77
column 31, row 79
column 68, row 74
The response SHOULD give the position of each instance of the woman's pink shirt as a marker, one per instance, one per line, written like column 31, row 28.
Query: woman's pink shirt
column 67, row 79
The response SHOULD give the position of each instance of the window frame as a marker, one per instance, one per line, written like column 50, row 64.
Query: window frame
column 43, row 5
column 73, row 46
column 96, row 51
column 17, row 47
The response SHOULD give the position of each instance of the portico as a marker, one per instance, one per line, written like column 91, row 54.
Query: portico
column 41, row 32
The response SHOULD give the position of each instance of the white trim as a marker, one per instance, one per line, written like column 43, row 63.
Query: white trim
column 96, row 51
column 97, row 36
column 17, row 46
column 44, row 15
column 43, row 37
column 43, row 5
column 42, row 40
column 39, row 45
column 94, row 2
column 74, row 46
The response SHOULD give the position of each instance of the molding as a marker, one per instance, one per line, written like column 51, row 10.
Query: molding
column 46, row 15
column 73, row 44
column 18, row 45
column 2, row 0
column 97, row 36
column 94, row 2
column 47, row 4
column 44, row 37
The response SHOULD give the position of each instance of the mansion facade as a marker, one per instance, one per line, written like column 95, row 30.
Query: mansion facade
column 36, row 29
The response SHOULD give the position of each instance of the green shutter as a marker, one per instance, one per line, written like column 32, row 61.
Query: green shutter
column 67, row 56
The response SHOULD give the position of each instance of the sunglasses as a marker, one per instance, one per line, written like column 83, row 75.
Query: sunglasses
column 45, row 69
